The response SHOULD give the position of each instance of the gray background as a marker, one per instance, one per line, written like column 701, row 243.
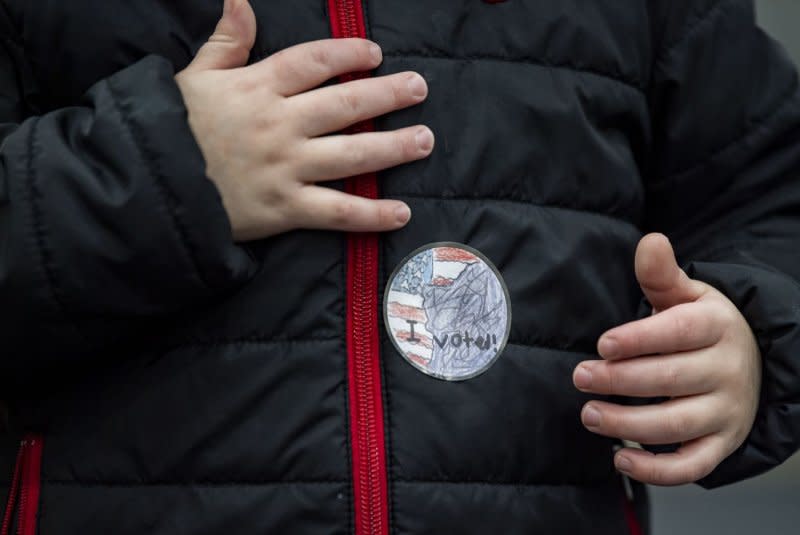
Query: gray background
column 770, row 504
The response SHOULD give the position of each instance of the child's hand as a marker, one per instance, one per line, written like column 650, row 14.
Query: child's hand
column 696, row 349
column 262, row 129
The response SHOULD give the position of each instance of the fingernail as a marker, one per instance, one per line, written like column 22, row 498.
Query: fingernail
column 424, row 139
column 583, row 377
column 591, row 417
column 624, row 464
column 376, row 52
column 417, row 86
column 402, row 214
column 608, row 347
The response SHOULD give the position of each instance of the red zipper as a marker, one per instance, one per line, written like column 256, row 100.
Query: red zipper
column 26, row 486
column 370, row 492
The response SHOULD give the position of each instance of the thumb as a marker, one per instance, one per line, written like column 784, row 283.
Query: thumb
column 662, row 281
column 229, row 47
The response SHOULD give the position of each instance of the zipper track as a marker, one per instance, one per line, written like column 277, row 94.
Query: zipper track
column 370, row 492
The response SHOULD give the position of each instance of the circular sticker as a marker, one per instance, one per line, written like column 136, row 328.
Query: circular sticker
column 447, row 311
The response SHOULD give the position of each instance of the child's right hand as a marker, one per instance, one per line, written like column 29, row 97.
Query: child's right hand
column 263, row 129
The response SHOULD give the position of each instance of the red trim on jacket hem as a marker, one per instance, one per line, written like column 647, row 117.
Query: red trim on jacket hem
column 26, row 487
column 12, row 492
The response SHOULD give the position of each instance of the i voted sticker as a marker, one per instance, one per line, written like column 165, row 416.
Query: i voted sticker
column 447, row 311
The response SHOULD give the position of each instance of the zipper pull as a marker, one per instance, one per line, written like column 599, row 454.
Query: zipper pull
column 634, row 526
column 626, row 481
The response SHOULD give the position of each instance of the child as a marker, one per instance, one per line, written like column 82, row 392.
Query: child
column 195, row 333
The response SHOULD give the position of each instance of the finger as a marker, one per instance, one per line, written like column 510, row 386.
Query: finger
column 676, row 420
column 308, row 65
column 233, row 38
column 684, row 327
column 691, row 462
column 335, row 157
column 319, row 207
column 333, row 108
column 682, row 374
column 662, row 281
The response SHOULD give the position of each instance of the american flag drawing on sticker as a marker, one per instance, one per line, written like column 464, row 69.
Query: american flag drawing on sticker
column 447, row 311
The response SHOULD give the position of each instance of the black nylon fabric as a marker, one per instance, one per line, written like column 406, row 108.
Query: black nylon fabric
column 188, row 385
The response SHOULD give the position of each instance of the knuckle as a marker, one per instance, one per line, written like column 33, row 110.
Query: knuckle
column 279, row 60
column 245, row 84
column 282, row 67
column 609, row 376
column 683, row 327
column 678, row 425
column 267, row 121
column 634, row 340
column 275, row 195
column 655, row 473
column 349, row 101
column 613, row 423
column 671, row 377
column 356, row 155
column 319, row 55
column 342, row 213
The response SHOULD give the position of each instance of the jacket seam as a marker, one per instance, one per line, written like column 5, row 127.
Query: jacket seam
column 250, row 341
column 733, row 245
column 200, row 483
column 15, row 38
column 310, row 482
column 770, row 270
column 526, row 202
column 169, row 199
column 690, row 30
column 631, row 82
column 549, row 347
column 40, row 233
column 754, row 128
column 512, row 484
column 11, row 42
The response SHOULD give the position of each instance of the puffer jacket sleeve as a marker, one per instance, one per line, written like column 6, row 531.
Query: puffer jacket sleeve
column 108, row 222
column 724, row 185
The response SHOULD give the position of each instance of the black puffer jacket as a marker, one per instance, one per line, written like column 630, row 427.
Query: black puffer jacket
column 182, row 384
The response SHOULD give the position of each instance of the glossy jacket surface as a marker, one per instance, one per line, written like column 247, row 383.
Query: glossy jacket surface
column 188, row 385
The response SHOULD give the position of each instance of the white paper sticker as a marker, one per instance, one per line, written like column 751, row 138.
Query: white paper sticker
column 447, row 311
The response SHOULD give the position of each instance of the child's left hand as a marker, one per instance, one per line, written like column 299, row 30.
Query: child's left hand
column 697, row 349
